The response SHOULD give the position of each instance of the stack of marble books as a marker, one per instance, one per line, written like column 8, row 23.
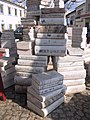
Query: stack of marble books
column 27, row 64
column 8, row 42
column 84, row 38
column 69, row 37
column 28, row 24
column 46, row 93
column 86, row 54
column 86, row 57
column 7, row 71
column 50, row 39
column 75, row 51
column 58, row 3
column 72, row 68
column 34, row 5
column 77, row 36
column 8, row 52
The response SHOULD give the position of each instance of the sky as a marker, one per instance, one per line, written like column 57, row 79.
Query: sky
column 16, row 1
column 72, row 5
column 69, row 4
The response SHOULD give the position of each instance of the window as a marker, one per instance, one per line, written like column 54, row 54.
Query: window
column 79, row 12
column 20, row 13
column 16, row 12
column 2, row 26
column 71, row 22
column 72, row 17
column 9, row 10
column 1, row 8
column 88, row 7
column 24, row 13
column 10, row 26
column 16, row 25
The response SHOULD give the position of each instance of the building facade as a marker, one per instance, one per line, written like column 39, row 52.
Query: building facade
column 10, row 15
column 79, row 11
column 75, row 16
column 71, row 18
column 86, row 15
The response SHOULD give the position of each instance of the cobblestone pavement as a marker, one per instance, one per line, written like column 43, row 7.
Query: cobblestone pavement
column 76, row 107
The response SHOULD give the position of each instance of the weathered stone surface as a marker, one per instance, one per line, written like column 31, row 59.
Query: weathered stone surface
column 8, row 71
column 4, row 68
column 75, row 89
column 20, row 89
column 52, row 21
column 8, row 80
column 46, row 96
column 89, row 70
column 75, row 51
column 52, row 15
column 74, row 82
column 44, row 112
column 8, row 77
column 51, row 29
column 29, row 69
column 47, row 77
column 52, row 10
column 24, row 45
column 33, row 13
column 6, row 44
column 47, row 90
column 80, row 74
column 41, row 105
column 76, row 105
column 86, row 58
column 69, row 58
column 25, row 52
column 68, row 64
column 27, row 21
column 50, row 35
column 22, row 80
column 40, row 87
column 8, row 39
column 50, row 42
column 32, row 63
column 24, row 74
column 33, row 57
column 50, row 51
column 70, row 68
column 6, row 60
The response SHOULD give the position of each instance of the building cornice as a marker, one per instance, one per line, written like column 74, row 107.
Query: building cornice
column 6, row 1
column 85, row 15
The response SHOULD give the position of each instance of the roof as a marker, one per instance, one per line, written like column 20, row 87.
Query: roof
column 66, row 1
column 71, row 12
column 81, row 5
column 12, row 3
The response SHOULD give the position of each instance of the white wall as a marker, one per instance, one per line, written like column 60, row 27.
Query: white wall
column 10, row 19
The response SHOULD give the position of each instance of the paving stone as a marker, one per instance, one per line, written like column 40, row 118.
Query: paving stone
column 77, row 117
column 23, row 118
column 25, row 115
column 77, row 105
column 0, row 117
column 69, row 113
column 7, row 117
column 17, row 113
column 80, row 113
column 9, row 112
column 15, row 118
column 87, row 115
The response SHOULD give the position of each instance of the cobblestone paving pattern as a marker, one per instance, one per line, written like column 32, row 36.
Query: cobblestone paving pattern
column 76, row 107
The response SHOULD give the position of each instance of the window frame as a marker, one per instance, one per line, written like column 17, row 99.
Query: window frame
column 1, row 8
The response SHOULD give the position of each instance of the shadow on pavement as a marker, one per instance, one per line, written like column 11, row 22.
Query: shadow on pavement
column 76, row 106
